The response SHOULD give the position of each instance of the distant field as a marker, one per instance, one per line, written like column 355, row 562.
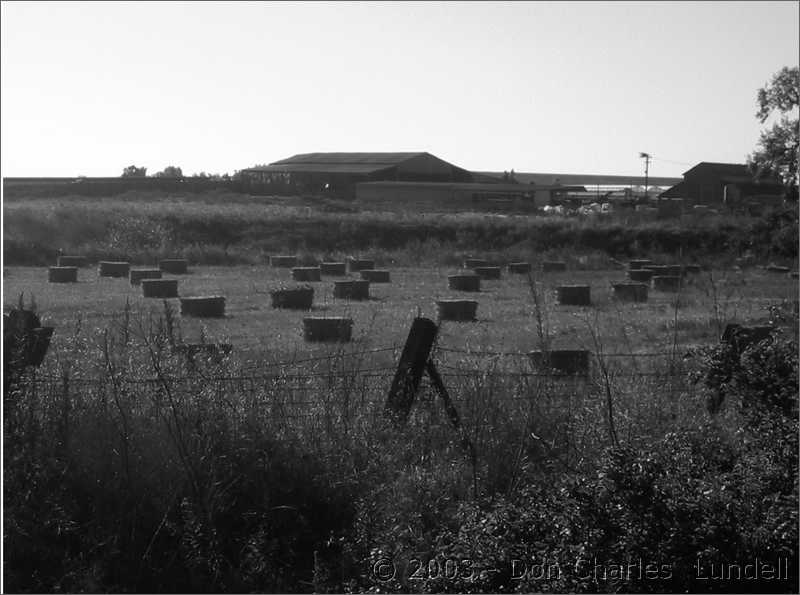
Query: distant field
column 506, row 312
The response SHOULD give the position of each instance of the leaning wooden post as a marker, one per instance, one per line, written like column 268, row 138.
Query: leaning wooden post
column 412, row 364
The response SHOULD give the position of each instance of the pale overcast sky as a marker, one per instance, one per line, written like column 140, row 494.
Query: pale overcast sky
column 89, row 88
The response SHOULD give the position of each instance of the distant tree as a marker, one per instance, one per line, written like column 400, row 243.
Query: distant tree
column 134, row 172
column 777, row 148
column 171, row 171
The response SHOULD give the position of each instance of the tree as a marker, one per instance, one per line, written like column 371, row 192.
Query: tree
column 777, row 149
column 171, row 171
column 134, row 172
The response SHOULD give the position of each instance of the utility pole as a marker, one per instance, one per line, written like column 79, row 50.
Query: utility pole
column 646, row 157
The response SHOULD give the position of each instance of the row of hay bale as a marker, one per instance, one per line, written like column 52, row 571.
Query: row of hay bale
column 149, row 279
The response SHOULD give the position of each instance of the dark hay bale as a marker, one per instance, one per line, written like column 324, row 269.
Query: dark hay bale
column 574, row 295
column 487, row 272
column 631, row 292
column 107, row 268
column 639, row 264
column 174, row 266
column 519, row 268
column 284, row 262
column 361, row 264
column 457, row 310
column 741, row 337
column 159, row 288
column 464, row 282
column 336, row 329
column 299, row 298
column 667, row 282
column 795, row 274
column 213, row 351
column 351, row 290
column 640, row 275
column 25, row 341
column 376, row 276
column 136, row 275
column 563, row 361
column 62, row 274
column 551, row 266
column 334, row 269
column 471, row 263
column 212, row 306
column 306, row 274
column 774, row 268
column 72, row 261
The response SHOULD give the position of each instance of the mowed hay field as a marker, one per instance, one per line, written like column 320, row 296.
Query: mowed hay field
column 507, row 319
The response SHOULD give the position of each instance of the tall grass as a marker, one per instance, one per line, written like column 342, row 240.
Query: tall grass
column 128, row 469
column 233, row 229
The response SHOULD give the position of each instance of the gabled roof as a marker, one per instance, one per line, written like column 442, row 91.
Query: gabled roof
column 733, row 169
column 354, row 163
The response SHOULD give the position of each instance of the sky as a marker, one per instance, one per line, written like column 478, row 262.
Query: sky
column 569, row 87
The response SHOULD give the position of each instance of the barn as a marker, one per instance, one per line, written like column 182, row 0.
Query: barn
column 336, row 174
column 731, row 184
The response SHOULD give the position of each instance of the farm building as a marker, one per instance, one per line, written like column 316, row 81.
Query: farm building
column 497, row 196
column 337, row 174
column 731, row 184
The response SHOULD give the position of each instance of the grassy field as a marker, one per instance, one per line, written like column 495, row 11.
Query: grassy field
column 506, row 309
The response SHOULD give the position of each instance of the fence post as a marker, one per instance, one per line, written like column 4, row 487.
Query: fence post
column 412, row 364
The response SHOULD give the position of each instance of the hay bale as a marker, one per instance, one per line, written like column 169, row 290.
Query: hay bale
column 639, row 263
column 137, row 275
column 212, row 306
column 630, row 292
column 640, row 275
column 333, row 328
column 306, row 274
column 351, row 290
column 62, row 274
column 334, row 269
column 568, row 362
column 72, row 261
column 107, row 268
column 361, row 264
column 741, row 337
column 487, row 272
column 159, row 288
column 657, row 269
column 554, row 266
column 774, row 268
column 376, row 276
column 174, row 266
column 283, row 262
column 298, row 298
column 667, row 282
column 464, row 282
column 471, row 263
column 574, row 295
column 795, row 274
column 672, row 270
column 457, row 310
column 519, row 268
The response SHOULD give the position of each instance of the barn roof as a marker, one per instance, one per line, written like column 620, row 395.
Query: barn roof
column 354, row 163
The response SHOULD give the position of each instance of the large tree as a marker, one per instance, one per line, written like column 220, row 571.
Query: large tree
column 777, row 148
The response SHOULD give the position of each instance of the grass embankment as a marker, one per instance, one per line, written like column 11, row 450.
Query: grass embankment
column 218, row 228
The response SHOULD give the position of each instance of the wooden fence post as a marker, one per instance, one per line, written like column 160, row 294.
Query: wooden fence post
column 416, row 354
